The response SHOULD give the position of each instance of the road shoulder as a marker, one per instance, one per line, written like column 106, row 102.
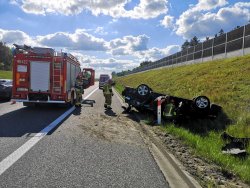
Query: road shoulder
column 171, row 168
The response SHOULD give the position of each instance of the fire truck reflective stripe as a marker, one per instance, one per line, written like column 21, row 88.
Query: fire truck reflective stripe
column 16, row 155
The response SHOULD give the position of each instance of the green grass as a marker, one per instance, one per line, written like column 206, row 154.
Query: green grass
column 5, row 74
column 225, row 82
column 210, row 148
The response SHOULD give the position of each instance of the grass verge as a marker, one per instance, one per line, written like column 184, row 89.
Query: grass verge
column 227, row 83
column 5, row 74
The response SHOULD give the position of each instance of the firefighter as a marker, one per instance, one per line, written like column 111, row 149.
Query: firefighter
column 169, row 110
column 86, row 79
column 79, row 89
column 107, row 92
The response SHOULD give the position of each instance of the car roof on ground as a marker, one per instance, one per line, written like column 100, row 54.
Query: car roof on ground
column 5, row 80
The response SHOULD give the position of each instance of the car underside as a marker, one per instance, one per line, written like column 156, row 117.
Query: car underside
column 144, row 98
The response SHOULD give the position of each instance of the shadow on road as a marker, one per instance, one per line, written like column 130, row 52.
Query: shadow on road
column 28, row 120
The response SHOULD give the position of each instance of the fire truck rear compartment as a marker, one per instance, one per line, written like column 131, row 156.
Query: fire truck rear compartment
column 40, row 76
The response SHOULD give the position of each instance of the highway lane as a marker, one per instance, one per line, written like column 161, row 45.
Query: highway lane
column 91, row 148
column 18, row 123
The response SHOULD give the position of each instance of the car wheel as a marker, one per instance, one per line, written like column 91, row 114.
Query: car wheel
column 202, row 103
column 143, row 90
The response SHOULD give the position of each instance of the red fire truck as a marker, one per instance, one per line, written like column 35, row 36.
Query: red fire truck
column 41, row 75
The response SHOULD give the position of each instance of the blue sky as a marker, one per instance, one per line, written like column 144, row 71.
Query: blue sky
column 117, row 35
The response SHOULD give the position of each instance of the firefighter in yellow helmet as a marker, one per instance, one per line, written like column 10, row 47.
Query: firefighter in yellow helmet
column 79, row 89
column 108, row 93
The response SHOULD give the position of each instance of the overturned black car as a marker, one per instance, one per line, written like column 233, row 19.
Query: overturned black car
column 143, row 98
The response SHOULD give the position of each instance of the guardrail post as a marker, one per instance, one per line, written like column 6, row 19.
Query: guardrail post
column 159, row 110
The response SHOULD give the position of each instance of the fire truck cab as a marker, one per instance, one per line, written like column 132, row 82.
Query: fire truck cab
column 41, row 75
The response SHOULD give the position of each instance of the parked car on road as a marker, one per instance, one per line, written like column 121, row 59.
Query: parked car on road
column 5, row 89
column 103, row 79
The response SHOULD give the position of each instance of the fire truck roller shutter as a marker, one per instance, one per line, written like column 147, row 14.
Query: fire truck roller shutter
column 40, row 76
column 73, row 76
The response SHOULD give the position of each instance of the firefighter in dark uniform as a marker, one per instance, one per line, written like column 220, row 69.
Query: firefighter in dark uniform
column 79, row 89
column 108, row 93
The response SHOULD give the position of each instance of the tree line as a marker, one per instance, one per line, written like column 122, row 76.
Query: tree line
column 194, row 41
column 6, row 57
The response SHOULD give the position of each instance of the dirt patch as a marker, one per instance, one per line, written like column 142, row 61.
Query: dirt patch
column 119, row 129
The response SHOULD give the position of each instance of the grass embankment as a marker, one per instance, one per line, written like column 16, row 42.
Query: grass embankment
column 5, row 74
column 225, row 82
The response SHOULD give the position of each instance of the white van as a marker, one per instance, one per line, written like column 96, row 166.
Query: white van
column 103, row 79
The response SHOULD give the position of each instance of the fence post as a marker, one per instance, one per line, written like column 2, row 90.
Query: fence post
column 202, row 52
column 213, row 49
column 243, row 42
column 226, row 47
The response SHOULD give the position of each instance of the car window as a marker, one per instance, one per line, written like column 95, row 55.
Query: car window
column 104, row 78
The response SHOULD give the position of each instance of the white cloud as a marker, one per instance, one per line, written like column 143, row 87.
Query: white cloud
column 201, row 23
column 100, row 31
column 209, row 4
column 154, row 54
column 147, row 9
column 116, row 8
column 120, row 54
column 80, row 40
column 128, row 45
column 106, row 66
column 15, row 36
column 167, row 21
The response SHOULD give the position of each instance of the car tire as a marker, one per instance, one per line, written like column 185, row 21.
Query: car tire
column 202, row 103
column 143, row 93
column 143, row 90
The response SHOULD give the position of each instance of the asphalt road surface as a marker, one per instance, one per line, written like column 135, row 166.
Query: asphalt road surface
column 92, row 147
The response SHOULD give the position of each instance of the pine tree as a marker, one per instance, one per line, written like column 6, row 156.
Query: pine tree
column 185, row 45
column 5, row 57
column 194, row 41
column 221, row 32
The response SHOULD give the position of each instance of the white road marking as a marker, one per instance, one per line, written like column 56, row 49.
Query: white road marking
column 90, row 93
column 16, row 155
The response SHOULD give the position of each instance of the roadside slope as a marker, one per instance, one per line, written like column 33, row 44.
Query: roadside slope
column 5, row 74
column 225, row 82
